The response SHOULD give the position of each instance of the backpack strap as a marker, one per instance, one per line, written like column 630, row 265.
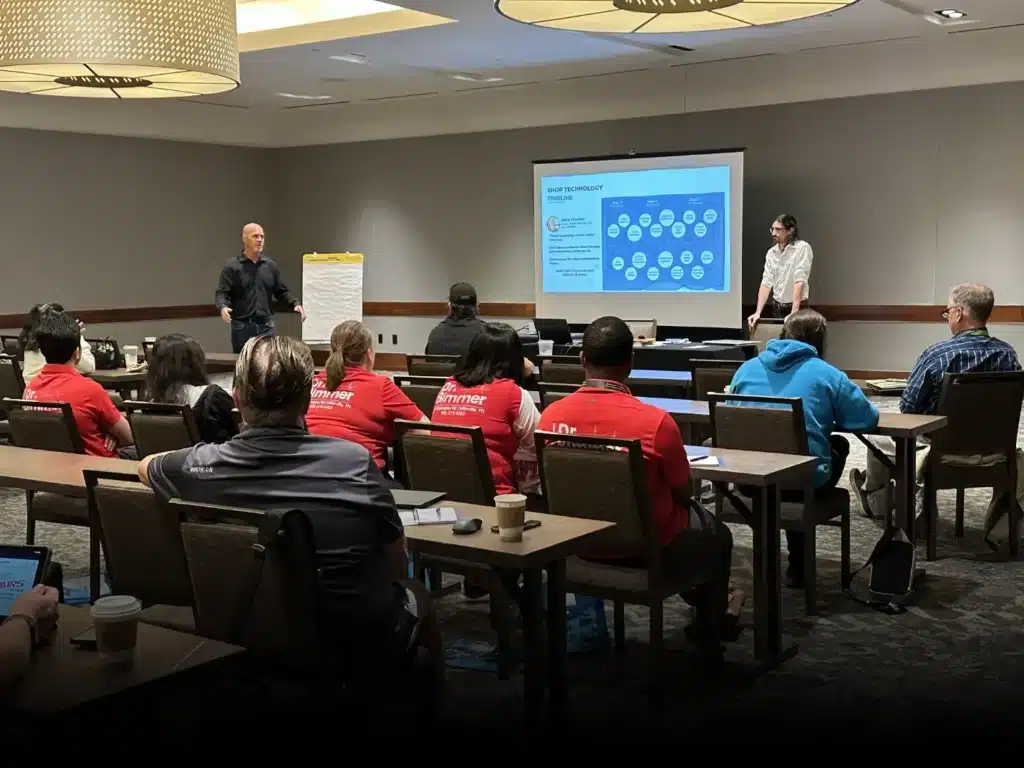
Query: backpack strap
column 890, row 607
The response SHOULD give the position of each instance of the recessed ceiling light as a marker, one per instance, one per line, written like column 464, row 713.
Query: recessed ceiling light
column 351, row 58
column 951, row 13
column 302, row 96
column 468, row 78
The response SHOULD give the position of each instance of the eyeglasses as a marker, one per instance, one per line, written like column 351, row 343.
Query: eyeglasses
column 947, row 310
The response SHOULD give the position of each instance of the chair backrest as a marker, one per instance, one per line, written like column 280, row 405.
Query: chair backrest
column 44, row 426
column 758, row 423
column 646, row 329
column 12, row 384
column 562, row 369
column 147, row 350
column 423, row 395
column 237, row 416
column 221, row 545
column 141, row 539
column 159, row 427
column 552, row 391
column 568, row 466
column 983, row 410
column 431, row 365
column 444, row 457
column 767, row 329
column 402, row 379
column 11, row 346
column 711, row 375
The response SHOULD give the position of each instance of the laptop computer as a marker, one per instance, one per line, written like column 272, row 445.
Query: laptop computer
column 552, row 329
column 416, row 499
column 21, row 568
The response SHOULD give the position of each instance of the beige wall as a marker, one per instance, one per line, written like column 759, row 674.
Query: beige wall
column 98, row 222
column 901, row 196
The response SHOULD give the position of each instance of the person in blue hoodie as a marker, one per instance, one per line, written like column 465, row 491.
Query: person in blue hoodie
column 792, row 366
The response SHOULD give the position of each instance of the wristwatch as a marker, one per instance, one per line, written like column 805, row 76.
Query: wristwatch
column 33, row 627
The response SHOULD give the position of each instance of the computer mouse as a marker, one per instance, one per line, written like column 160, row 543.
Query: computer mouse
column 466, row 526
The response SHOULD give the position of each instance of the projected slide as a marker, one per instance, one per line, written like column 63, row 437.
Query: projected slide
column 659, row 230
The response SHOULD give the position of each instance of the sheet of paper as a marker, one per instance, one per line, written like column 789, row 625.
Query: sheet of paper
column 332, row 292
column 428, row 516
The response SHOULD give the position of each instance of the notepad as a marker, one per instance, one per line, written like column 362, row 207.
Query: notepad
column 429, row 516
column 706, row 461
column 882, row 385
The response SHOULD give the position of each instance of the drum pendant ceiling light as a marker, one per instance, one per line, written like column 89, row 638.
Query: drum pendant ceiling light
column 661, row 16
column 118, row 49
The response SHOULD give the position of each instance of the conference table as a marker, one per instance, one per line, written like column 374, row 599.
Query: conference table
column 663, row 356
column 903, row 428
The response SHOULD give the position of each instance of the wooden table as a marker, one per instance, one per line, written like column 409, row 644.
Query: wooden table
column 768, row 473
column 542, row 549
column 50, row 472
column 661, row 377
column 62, row 677
column 122, row 381
column 221, row 362
column 903, row 428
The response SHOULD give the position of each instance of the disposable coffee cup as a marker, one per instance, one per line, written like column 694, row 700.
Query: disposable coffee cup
column 131, row 355
column 116, row 622
column 546, row 347
column 511, row 516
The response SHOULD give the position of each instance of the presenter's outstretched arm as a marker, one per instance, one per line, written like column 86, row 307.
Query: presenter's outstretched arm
column 223, row 295
column 762, row 298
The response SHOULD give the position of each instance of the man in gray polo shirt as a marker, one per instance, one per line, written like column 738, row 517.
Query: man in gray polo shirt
column 274, row 463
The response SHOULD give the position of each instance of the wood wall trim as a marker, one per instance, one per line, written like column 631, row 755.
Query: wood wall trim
column 836, row 313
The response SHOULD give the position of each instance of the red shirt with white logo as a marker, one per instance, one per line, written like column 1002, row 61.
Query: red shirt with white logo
column 95, row 413
column 507, row 416
column 594, row 412
column 362, row 410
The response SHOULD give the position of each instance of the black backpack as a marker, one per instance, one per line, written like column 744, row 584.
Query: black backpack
column 107, row 353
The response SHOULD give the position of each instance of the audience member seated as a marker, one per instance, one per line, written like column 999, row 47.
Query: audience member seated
column 486, row 391
column 370, row 611
column 34, row 360
column 101, row 425
column 792, row 366
column 970, row 350
column 603, row 406
column 177, row 374
column 452, row 336
column 33, row 615
column 353, row 403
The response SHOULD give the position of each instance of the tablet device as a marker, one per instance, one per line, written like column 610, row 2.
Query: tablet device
column 21, row 568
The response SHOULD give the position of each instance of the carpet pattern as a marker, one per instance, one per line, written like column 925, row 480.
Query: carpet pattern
column 960, row 639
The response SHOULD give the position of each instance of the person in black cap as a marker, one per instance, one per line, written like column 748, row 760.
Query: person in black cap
column 453, row 335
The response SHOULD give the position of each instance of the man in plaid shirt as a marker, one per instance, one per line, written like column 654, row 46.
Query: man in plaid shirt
column 970, row 350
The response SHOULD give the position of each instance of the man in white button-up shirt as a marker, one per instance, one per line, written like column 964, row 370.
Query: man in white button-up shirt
column 787, row 272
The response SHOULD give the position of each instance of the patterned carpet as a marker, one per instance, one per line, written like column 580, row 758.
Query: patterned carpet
column 951, row 661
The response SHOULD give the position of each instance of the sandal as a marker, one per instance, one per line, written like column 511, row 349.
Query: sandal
column 697, row 632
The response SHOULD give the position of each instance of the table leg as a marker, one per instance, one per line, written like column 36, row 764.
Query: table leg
column 906, row 484
column 558, row 683
column 768, row 647
column 534, row 683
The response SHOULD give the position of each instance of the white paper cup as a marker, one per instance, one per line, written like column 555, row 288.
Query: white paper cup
column 116, row 622
column 546, row 347
column 131, row 355
column 511, row 516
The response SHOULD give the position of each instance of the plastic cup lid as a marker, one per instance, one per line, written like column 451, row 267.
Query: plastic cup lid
column 510, row 498
column 115, row 607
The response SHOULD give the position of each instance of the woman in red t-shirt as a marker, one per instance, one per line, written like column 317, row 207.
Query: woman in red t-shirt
column 486, row 391
column 351, row 402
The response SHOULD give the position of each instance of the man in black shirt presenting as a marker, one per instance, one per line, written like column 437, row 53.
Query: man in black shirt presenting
column 248, row 286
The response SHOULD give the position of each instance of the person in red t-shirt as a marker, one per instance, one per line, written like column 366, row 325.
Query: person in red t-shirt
column 604, row 407
column 486, row 391
column 351, row 402
column 100, row 424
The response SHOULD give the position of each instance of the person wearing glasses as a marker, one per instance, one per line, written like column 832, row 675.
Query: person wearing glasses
column 970, row 350
column 787, row 272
